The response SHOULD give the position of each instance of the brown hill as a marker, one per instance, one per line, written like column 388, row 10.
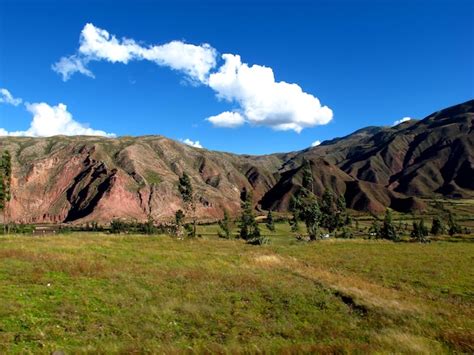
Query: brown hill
column 78, row 179
column 416, row 158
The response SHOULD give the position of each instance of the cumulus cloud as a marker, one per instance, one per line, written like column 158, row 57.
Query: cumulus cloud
column 191, row 143
column 260, row 99
column 7, row 98
column 404, row 119
column 53, row 120
column 263, row 100
column 227, row 119
column 315, row 143
column 97, row 44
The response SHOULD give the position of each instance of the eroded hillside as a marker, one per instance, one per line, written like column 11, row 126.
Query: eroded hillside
column 78, row 179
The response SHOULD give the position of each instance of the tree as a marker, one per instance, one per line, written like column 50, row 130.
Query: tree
column 346, row 233
column 312, row 216
column 388, row 229
column 453, row 226
column 437, row 226
column 149, row 226
column 423, row 229
column 187, row 194
column 294, row 209
column 179, row 217
column 305, row 207
column 293, row 222
column 248, row 224
column 226, row 226
column 307, row 180
column 419, row 232
column 328, row 211
column 374, row 229
column 5, row 186
column 270, row 222
column 342, row 217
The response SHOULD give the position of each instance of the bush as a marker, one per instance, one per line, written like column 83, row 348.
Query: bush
column 419, row 232
column 437, row 226
column 18, row 228
column 119, row 226
column 259, row 241
column 345, row 233
column 226, row 226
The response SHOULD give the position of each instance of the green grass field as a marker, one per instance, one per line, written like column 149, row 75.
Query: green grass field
column 91, row 293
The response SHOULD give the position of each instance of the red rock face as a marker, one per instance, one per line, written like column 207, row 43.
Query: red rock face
column 85, row 179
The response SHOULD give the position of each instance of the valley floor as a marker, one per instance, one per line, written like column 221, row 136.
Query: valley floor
column 87, row 292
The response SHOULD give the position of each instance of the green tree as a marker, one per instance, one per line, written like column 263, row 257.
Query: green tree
column 453, row 226
column 329, row 211
column 306, row 208
column 293, row 222
column 375, row 229
column 248, row 224
column 388, row 229
column 179, row 217
column 437, row 226
column 419, row 231
column 187, row 194
column 312, row 216
column 149, row 226
column 307, row 179
column 5, row 186
column 342, row 217
column 270, row 222
column 226, row 226
column 345, row 233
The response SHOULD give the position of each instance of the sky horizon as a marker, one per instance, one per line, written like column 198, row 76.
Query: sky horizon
column 243, row 77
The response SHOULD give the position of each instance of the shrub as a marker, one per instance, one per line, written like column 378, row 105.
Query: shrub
column 419, row 232
column 226, row 226
column 249, row 228
column 437, row 226
column 270, row 222
column 259, row 240
column 388, row 229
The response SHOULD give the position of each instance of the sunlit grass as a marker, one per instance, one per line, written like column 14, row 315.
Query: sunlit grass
column 89, row 292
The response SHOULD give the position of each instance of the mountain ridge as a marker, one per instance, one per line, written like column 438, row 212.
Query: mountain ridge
column 84, row 178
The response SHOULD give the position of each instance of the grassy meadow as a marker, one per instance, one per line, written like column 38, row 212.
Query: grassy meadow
column 102, row 293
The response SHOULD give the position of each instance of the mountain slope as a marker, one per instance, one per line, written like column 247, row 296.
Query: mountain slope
column 417, row 158
column 77, row 179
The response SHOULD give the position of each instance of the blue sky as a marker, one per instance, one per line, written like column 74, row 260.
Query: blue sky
column 370, row 62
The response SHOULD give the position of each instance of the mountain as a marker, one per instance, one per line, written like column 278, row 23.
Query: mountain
column 79, row 179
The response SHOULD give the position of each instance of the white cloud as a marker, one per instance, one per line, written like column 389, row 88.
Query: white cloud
column 263, row 100
column 53, row 120
column 191, row 143
column 315, row 143
column 227, row 119
column 97, row 44
column 7, row 98
column 70, row 65
column 404, row 119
